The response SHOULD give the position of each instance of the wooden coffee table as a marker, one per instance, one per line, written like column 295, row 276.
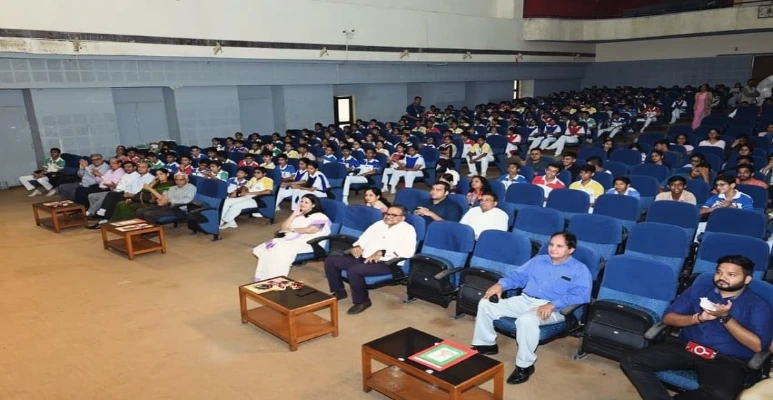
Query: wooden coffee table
column 133, row 239
column 406, row 379
column 62, row 214
column 287, row 315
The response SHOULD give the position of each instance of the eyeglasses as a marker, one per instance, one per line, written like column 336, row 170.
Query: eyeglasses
column 393, row 215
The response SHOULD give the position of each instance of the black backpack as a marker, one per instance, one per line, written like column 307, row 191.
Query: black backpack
column 614, row 329
column 423, row 285
column 474, row 283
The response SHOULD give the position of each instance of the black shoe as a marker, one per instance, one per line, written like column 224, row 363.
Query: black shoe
column 520, row 375
column 94, row 226
column 487, row 350
column 358, row 308
column 341, row 294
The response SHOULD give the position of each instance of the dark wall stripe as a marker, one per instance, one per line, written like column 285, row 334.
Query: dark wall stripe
column 96, row 37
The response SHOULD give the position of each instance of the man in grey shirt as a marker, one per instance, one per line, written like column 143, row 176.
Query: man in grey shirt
column 171, row 203
column 87, row 174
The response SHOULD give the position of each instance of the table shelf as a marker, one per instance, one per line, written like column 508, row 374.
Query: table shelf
column 396, row 384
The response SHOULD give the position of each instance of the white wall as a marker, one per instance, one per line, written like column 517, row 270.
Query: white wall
column 734, row 19
column 458, row 24
column 694, row 47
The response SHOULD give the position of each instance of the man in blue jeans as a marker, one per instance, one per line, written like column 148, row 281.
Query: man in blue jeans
column 735, row 325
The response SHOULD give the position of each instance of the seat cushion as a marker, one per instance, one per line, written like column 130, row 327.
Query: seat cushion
column 682, row 379
column 507, row 325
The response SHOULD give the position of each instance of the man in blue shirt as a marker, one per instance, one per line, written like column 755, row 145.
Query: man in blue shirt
column 550, row 282
column 728, row 196
column 439, row 207
column 738, row 327
column 414, row 110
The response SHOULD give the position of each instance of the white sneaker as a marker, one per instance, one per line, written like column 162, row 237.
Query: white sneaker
column 394, row 190
column 231, row 224
column 52, row 192
column 34, row 193
column 257, row 215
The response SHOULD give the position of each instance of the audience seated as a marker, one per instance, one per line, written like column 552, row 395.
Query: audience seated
column 172, row 203
column 46, row 175
column 439, row 207
column 486, row 216
column 676, row 191
column 245, row 196
column 88, row 174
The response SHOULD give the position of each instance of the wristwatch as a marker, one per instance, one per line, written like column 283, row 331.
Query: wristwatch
column 725, row 319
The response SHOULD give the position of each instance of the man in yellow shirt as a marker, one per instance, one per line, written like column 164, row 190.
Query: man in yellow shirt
column 587, row 184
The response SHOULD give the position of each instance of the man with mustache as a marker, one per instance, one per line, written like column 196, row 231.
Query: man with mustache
column 733, row 327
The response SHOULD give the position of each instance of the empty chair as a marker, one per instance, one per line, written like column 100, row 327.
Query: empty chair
column 717, row 245
column 616, row 168
column 647, row 187
column 569, row 202
column 446, row 246
column 410, row 198
column 737, row 221
column 588, row 152
column 606, row 180
column 335, row 174
column 511, row 212
column 601, row 233
column 626, row 209
column 712, row 150
column 524, row 195
column 538, row 224
column 658, row 172
column 632, row 289
column 629, row 157
column 660, row 242
column 700, row 189
column 650, row 138
column 204, row 213
column 489, row 252
column 758, row 194
column 683, row 215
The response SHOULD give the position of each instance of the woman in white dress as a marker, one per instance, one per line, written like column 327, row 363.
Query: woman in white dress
column 277, row 255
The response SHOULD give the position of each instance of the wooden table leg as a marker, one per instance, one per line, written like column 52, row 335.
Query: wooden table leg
column 83, row 215
column 243, row 306
column 499, row 383
column 162, row 240
column 129, row 248
column 292, row 332
column 455, row 394
column 103, row 228
column 55, row 220
column 334, row 317
column 37, row 216
column 366, row 370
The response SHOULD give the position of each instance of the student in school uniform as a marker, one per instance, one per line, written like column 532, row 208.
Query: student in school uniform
column 286, row 170
column 293, row 181
column 245, row 197
column 215, row 171
column 268, row 162
column 409, row 168
column 196, row 154
column 171, row 163
column 512, row 176
column 329, row 156
column 348, row 160
column 51, row 165
column 185, row 165
column 316, row 183
column 587, row 184
column 248, row 161
column 236, row 182
column 513, row 141
column 550, row 180
column 572, row 135
column 154, row 162
column 728, row 197
column 549, row 134
column 368, row 167
column 481, row 153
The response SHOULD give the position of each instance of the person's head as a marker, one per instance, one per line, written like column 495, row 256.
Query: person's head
column 594, row 161
column 162, row 175
column 310, row 204
column 114, row 163
column 750, row 82
column 215, row 165
column 662, row 145
column 312, row 167
column 568, row 159
column 242, row 172
column 622, row 183
column 744, row 172
column 303, row 148
column 129, row 167
column 479, row 184
column 744, row 150
column 120, row 150
column 745, row 160
column 416, row 101
column 656, row 156
column 281, row 159
column 412, row 150
column 439, row 191
column 713, row 134
column 329, row 151
column 171, row 157
column 488, row 201
column 373, row 194
column 535, row 154
column 203, row 165
column 704, row 88
column 195, row 151
column 733, row 273
column 180, row 179
column 561, row 246
column 724, row 184
column 676, row 185
column 481, row 140
column 185, row 160
column 97, row 159
column 586, row 172
column 215, row 142
column 552, row 170
column 249, row 158
column 259, row 173
column 55, row 152
column 513, row 168
column 609, row 144
column 267, row 158
column 143, row 167
column 346, row 152
column 394, row 215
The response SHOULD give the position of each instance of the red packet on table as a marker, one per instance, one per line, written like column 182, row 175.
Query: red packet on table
column 443, row 355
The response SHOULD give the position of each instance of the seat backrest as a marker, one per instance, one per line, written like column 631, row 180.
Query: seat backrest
column 215, row 188
column 699, row 188
column 460, row 200
column 510, row 210
column 758, row 194
column 737, row 221
column 587, row 152
column 449, row 240
column 410, row 198
column 358, row 218
column 643, row 283
column 543, row 221
column 629, row 157
column 498, row 188
column 647, row 186
column 717, row 245
column 526, row 194
column 335, row 173
column 568, row 200
column 335, row 211
column 659, row 242
column 419, row 225
column 596, row 229
column 618, row 206
column 658, row 172
column 606, row 180
column 489, row 252
column 616, row 168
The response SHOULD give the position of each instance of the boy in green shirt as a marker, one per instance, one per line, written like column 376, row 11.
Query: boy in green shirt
column 51, row 167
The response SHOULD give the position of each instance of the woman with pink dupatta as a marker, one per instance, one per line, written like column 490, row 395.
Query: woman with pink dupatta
column 702, row 106
column 277, row 255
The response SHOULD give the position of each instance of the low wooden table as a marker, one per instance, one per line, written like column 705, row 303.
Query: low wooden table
column 407, row 379
column 132, row 240
column 62, row 214
column 287, row 315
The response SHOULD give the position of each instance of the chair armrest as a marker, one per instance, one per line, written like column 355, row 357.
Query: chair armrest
column 758, row 360
column 447, row 273
column 571, row 320
column 655, row 331
column 397, row 272
column 337, row 241
column 569, row 310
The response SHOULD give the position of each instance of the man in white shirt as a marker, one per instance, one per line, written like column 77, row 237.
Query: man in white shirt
column 113, row 198
column 383, row 241
column 486, row 216
column 129, row 175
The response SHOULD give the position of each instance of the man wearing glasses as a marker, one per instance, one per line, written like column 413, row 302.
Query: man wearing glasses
column 88, row 174
column 173, row 202
column 728, row 196
column 385, row 240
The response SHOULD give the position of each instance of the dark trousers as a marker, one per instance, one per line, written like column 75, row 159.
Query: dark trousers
column 152, row 213
column 356, row 271
column 82, row 194
column 720, row 379
column 111, row 200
